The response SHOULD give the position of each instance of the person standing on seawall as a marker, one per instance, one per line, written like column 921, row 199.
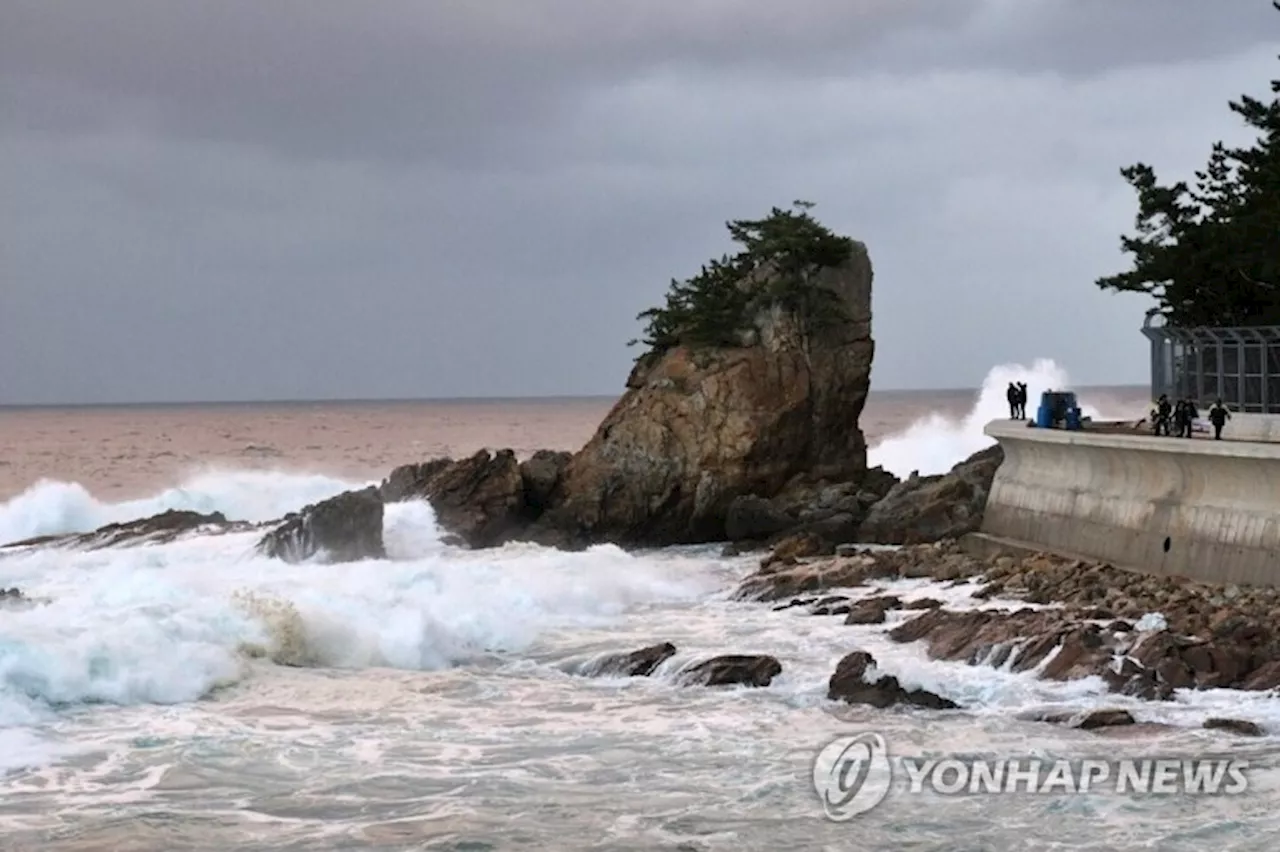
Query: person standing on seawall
column 1022, row 400
column 1012, row 395
column 1218, row 416
column 1189, row 415
column 1164, row 411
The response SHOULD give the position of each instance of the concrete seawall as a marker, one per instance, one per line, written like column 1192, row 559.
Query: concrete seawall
column 1197, row 508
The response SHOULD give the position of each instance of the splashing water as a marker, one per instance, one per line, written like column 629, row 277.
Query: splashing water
column 935, row 443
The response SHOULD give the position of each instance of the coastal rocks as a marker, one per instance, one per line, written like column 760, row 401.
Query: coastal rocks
column 344, row 528
column 931, row 508
column 700, row 427
column 156, row 529
column 732, row 670
column 540, row 475
column 480, row 499
column 752, row 518
column 639, row 663
column 850, row 683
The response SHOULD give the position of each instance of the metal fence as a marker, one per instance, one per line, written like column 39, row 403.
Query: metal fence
column 1240, row 366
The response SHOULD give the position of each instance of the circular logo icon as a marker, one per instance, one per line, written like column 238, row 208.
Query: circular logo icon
column 852, row 775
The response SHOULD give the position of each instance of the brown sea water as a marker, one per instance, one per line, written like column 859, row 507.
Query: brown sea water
column 126, row 452
column 195, row 696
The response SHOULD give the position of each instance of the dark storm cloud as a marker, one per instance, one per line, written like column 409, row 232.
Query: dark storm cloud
column 314, row 199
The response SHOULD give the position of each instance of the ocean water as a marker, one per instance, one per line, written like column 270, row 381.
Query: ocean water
column 196, row 696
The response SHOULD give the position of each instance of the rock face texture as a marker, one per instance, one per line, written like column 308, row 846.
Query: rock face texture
column 156, row 529
column 699, row 428
column 345, row 528
column 924, row 509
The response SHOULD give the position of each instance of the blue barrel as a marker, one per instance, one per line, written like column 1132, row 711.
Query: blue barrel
column 1044, row 414
column 1073, row 419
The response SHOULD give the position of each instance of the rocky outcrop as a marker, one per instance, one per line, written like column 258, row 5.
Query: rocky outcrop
column 345, row 528
column 480, row 500
column 850, row 683
column 701, row 427
column 156, row 529
column 1106, row 624
column 1236, row 726
column 732, row 670
column 641, row 663
column 932, row 508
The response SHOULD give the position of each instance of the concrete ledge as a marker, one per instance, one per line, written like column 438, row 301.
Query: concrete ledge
column 1197, row 508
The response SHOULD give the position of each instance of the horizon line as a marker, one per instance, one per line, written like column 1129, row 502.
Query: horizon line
column 442, row 399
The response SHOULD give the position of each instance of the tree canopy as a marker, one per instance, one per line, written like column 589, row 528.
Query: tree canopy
column 1209, row 250
column 781, row 256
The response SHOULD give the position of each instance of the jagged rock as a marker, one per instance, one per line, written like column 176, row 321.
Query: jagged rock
column 639, row 663
column 792, row 549
column 412, row 481
column 923, row 603
column 540, row 474
column 849, row 683
column 156, row 529
column 345, row 528
column 699, row 427
column 733, row 669
column 932, row 508
column 1235, row 726
column 480, row 499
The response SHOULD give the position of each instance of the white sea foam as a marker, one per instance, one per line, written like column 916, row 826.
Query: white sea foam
column 937, row 441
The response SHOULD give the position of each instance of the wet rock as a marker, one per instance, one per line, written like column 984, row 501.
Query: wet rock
column 1090, row 719
column 156, row 529
column 1235, row 726
column 851, row 683
column 640, row 663
column 831, row 605
column 480, row 500
column 922, row 603
column 733, row 670
column 870, row 611
column 345, row 528
column 933, row 508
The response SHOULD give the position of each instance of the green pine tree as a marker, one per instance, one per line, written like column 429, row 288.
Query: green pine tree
column 1209, row 252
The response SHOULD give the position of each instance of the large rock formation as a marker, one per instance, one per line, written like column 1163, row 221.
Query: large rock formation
column 700, row 427
column 932, row 508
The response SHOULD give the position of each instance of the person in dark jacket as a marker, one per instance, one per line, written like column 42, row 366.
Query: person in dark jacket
column 1012, row 395
column 1163, row 415
column 1218, row 416
column 1189, row 415
column 1022, row 400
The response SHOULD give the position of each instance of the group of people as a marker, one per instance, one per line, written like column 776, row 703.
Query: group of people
column 1017, row 396
column 1170, row 418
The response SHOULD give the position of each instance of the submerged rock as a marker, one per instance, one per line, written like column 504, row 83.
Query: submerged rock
column 733, row 670
column 849, row 683
column 1235, row 726
column 641, row 663
column 345, row 528
column 1088, row 719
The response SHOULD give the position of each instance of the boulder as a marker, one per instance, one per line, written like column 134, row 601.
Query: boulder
column 639, row 663
column 1089, row 719
column 733, row 670
column 849, row 683
column 932, row 508
column 700, row 426
column 345, row 528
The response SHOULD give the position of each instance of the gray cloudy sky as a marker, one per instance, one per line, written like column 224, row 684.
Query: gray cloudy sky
column 414, row 198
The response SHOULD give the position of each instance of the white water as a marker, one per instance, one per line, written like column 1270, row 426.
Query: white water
column 936, row 442
column 431, row 697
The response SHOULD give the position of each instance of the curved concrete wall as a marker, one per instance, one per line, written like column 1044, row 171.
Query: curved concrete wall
column 1198, row 508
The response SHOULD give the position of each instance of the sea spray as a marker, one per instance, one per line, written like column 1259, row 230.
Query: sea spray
column 936, row 442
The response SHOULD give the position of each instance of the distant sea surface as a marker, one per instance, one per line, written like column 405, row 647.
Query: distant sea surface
column 197, row 696
column 123, row 452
